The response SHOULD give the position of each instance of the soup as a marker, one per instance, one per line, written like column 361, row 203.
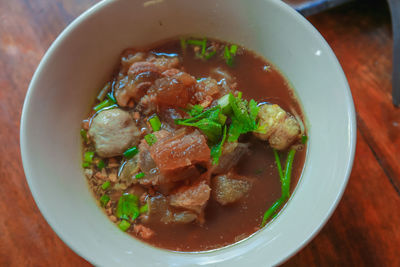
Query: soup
column 194, row 144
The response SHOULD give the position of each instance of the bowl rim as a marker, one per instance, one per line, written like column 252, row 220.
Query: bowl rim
column 103, row 4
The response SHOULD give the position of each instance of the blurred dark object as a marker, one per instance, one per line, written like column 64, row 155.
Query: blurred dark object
column 395, row 13
column 310, row 7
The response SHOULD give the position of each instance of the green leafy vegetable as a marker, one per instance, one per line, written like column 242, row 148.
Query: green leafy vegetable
column 285, row 178
column 139, row 175
column 217, row 149
column 195, row 110
column 104, row 200
column 155, row 123
column 151, row 139
column 127, row 207
column 253, row 110
column 124, row 225
column 243, row 117
column 131, row 152
column 105, row 185
column 208, row 127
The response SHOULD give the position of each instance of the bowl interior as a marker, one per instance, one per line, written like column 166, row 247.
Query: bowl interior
column 83, row 58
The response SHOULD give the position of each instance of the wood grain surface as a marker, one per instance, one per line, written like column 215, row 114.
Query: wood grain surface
column 363, row 231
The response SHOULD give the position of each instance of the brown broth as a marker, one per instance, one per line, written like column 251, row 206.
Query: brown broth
column 225, row 225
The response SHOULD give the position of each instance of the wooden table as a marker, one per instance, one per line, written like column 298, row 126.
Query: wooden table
column 365, row 228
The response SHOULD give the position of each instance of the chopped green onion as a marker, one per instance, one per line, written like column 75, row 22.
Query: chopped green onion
column 85, row 164
column 103, row 92
column 285, row 185
column 88, row 156
column 183, row 43
column 105, row 185
column 124, row 225
column 104, row 200
column 278, row 165
column 203, row 47
column 225, row 105
column 111, row 97
column 101, row 164
column 239, row 95
column 227, row 56
column 272, row 210
column 195, row 42
column 106, row 103
column 304, row 139
column 210, row 54
column 288, row 173
column 139, row 175
column 84, row 135
column 151, row 139
column 127, row 207
column 155, row 123
column 143, row 209
column 233, row 49
column 131, row 152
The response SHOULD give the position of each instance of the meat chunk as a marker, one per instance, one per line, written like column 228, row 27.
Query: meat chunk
column 173, row 91
column 143, row 231
column 179, row 151
column 179, row 217
column 227, row 190
column 129, row 57
column 206, row 91
column 141, row 76
column 192, row 197
column 128, row 170
column 230, row 156
column 282, row 129
column 146, row 162
column 164, row 62
column 159, row 210
column 113, row 131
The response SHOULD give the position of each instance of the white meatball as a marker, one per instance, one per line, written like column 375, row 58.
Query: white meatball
column 113, row 131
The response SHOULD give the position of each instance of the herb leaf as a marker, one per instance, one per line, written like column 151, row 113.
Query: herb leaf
column 217, row 149
column 244, row 115
column 195, row 110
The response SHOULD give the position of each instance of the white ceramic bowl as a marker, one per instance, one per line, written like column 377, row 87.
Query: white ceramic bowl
column 83, row 58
